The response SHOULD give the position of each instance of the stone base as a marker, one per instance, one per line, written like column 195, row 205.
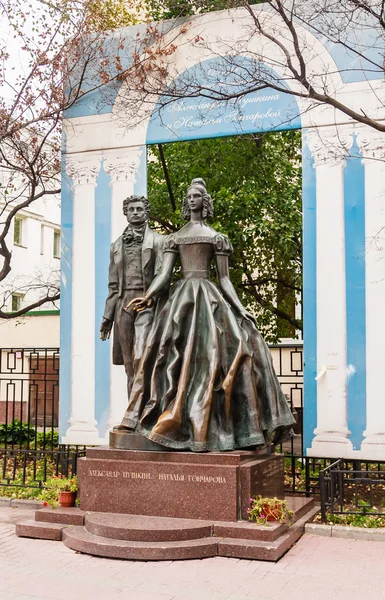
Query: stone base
column 134, row 537
column 124, row 440
column 177, row 484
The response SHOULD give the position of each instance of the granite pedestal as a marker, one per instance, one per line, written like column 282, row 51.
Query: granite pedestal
column 154, row 505
column 177, row 484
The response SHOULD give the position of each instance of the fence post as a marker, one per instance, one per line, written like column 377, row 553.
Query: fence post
column 307, row 477
column 322, row 495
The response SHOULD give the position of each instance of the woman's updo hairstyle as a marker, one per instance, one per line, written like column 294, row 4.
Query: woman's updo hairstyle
column 208, row 208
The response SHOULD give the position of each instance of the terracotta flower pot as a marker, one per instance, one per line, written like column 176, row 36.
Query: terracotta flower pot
column 66, row 499
column 272, row 513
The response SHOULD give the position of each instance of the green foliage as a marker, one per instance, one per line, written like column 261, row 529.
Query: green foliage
column 255, row 181
column 33, row 477
column 47, row 439
column 357, row 520
column 17, row 489
column 169, row 9
column 60, row 483
column 27, row 480
column 16, row 433
column 107, row 15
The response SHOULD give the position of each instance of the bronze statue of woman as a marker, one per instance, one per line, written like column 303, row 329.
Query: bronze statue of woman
column 206, row 380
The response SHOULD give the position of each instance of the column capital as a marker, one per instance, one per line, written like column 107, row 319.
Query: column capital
column 371, row 144
column 329, row 146
column 123, row 167
column 83, row 170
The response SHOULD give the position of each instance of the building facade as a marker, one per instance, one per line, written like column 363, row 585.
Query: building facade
column 34, row 240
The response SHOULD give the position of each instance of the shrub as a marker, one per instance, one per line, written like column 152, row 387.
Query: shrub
column 16, row 433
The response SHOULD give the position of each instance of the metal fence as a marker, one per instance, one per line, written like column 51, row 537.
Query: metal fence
column 29, row 416
column 29, row 397
column 288, row 364
column 352, row 488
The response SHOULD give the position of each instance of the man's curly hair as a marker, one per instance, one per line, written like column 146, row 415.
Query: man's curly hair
column 133, row 198
column 208, row 207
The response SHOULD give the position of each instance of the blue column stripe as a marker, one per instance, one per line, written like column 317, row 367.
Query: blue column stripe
column 309, row 293
column 102, row 254
column 354, row 203
column 65, row 301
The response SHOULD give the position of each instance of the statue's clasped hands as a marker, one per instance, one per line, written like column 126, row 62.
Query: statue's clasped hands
column 139, row 304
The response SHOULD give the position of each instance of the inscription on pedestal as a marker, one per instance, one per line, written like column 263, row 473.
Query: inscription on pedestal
column 161, row 476
column 184, row 491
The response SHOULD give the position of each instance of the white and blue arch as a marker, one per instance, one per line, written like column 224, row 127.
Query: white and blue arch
column 265, row 110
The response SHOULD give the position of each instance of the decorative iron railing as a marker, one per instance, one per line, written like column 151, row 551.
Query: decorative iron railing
column 29, row 398
column 29, row 414
column 352, row 488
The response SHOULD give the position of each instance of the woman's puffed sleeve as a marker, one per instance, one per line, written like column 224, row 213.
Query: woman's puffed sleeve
column 222, row 245
column 170, row 244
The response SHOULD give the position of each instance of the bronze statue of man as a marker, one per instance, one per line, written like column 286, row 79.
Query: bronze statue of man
column 135, row 258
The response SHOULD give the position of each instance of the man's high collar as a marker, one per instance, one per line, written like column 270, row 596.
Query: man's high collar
column 134, row 233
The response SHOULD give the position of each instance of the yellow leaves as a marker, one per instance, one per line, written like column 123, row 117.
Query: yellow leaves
column 107, row 15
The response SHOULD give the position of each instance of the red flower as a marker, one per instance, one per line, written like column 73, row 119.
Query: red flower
column 45, row 503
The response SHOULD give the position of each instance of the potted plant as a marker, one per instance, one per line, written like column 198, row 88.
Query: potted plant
column 61, row 490
column 262, row 510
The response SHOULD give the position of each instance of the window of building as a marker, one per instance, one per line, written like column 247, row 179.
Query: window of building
column 18, row 231
column 56, row 244
column 17, row 300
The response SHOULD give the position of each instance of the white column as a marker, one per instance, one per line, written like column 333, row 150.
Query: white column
column 83, row 171
column 123, row 169
column 331, row 433
column 372, row 146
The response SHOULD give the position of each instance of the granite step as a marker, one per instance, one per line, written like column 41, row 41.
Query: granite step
column 77, row 538
column 250, row 531
column 38, row 530
column 265, row 550
column 299, row 505
column 66, row 516
column 146, row 529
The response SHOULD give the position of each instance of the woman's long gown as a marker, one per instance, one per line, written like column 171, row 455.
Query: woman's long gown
column 206, row 379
